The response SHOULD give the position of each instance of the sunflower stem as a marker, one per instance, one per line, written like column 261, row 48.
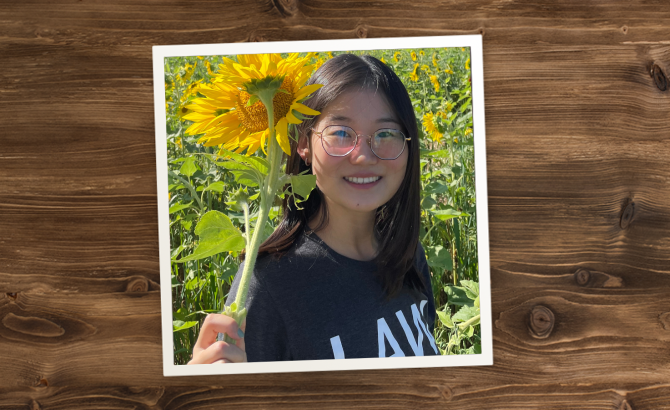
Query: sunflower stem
column 267, row 198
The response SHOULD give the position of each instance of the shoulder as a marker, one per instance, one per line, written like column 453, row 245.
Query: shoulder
column 420, row 257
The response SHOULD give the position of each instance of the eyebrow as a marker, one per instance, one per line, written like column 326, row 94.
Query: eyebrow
column 379, row 120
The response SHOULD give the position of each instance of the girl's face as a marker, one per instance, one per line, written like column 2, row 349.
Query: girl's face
column 339, row 178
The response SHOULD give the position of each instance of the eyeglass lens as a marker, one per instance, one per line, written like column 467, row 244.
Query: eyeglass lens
column 386, row 143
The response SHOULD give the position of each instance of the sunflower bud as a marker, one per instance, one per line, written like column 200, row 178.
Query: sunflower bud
column 237, row 199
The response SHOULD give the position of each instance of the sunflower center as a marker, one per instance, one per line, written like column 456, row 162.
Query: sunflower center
column 255, row 117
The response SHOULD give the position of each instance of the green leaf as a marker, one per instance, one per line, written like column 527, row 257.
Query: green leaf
column 189, row 167
column 465, row 313
column 445, row 319
column 259, row 164
column 435, row 187
column 456, row 296
column 444, row 214
column 428, row 203
column 178, row 207
column 178, row 325
column 466, row 104
column 443, row 153
column 244, row 174
column 218, row 186
column 302, row 185
column 471, row 288
column 252, row 99
column 217, row 234
column 177, row 251
column 439, row 257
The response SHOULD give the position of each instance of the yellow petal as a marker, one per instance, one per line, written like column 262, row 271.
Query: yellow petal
column 291, row 118
column 263, row 137
column 305, row 91
column 282, row 136
column 301, row 108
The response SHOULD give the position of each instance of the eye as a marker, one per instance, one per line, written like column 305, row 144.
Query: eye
column 338, row 132
column 388, row 134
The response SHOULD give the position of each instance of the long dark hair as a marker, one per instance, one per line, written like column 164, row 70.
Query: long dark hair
column 396, row 222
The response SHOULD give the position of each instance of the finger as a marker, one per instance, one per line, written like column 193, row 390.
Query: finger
column 222, row 361
column 213, row 325
column 221, row 351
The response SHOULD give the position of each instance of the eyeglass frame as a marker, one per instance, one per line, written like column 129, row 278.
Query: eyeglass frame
column 320, row 133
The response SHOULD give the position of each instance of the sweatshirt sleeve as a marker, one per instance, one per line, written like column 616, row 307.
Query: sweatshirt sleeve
column 424, row 270
column 265, row 335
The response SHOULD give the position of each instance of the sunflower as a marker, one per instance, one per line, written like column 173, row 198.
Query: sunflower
column 467, row 64
column 429, row 124
column 209, row 67
column 414, row 76
column 413, row 56
column 396, row 56
column 189, row 70
column 436, row 84
column 225, row 116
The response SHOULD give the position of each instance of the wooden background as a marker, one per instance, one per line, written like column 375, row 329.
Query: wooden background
column 578, row 140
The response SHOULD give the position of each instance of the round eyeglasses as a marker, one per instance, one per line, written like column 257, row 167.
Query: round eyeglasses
column 340, row 140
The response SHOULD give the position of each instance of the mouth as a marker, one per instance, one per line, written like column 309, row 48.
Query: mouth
column 362, row 181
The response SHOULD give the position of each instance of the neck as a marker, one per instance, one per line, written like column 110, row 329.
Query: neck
column 350, row 234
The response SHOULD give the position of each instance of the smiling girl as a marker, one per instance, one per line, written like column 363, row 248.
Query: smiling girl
column 345, row 276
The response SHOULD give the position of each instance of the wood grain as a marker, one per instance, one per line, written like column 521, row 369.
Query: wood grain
column 578, row 176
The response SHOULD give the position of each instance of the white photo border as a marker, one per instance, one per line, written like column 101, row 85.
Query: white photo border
column 474, row 42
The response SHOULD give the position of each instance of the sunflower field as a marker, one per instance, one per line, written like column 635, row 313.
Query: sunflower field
column 439, row 85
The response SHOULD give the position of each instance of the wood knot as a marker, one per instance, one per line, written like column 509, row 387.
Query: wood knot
column 43, row 383
column 624, row 29
column 361, row 32
column 287, row 8
column 582, row 277
column 482, row 32
column 665, row 320
column 446, row 392
column 33, row 326
column 659, row 77
column 627, row 215
column 138, row 285
column 12, row 295
column 34, row 405
column 541, row 322
column 624, row 405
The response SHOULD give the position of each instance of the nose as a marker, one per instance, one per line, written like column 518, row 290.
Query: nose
column 362, row 153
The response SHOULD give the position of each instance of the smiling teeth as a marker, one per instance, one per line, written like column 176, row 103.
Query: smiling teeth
column 362, row 180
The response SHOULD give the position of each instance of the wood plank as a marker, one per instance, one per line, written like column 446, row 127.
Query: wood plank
column 576, row 133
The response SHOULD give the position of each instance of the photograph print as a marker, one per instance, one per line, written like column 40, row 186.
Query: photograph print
column 322, row 205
